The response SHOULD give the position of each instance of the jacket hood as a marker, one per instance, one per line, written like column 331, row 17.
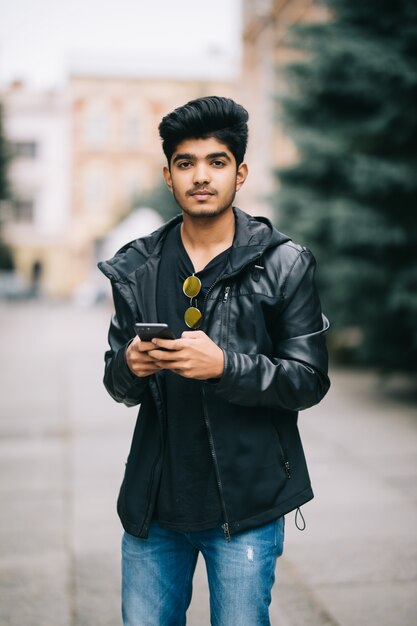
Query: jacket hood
column 253, row 236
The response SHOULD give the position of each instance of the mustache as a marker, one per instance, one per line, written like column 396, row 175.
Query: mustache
column 195, row 190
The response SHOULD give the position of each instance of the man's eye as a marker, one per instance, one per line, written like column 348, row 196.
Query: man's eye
column 218, row 163
column 184, row 165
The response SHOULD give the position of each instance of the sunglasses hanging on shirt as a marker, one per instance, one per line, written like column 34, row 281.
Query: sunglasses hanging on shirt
column 191, row 288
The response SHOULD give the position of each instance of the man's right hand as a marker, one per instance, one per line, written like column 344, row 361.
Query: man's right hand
column 138, row 359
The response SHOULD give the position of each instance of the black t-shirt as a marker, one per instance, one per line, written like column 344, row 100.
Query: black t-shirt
column 188, row 497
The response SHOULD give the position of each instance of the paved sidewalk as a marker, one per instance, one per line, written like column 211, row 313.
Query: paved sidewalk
column 63, row 444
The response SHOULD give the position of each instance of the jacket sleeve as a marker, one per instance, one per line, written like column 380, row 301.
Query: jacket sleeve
column 120, row 382
column 295, row 377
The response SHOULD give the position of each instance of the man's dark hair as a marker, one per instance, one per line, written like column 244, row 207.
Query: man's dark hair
column 213, row 116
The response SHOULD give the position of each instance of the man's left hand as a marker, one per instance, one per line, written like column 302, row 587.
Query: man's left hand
column 195, row 355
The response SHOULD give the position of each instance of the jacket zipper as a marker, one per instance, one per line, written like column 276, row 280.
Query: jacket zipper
column 224, row 318
column 284, row 460
column 226, row 277
column 225, row 526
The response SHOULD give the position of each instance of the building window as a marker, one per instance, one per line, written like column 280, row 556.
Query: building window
column 96, row 123
column 95, row 189
column 24, row 210
column 132, row 132
column 24, row 149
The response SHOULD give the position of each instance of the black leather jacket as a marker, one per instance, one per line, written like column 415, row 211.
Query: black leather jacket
column 264, row 312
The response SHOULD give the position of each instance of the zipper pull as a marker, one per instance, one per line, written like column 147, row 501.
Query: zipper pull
column 226, row 532
column 287, row 468
column 226, row 293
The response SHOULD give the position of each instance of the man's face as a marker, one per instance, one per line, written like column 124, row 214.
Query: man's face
column 203, row 177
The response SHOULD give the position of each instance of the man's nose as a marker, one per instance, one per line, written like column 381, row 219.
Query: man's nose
column 201, row 174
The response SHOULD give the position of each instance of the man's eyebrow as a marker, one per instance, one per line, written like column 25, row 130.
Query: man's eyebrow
column 216, row 155
column 192, row 157
column 184, row 155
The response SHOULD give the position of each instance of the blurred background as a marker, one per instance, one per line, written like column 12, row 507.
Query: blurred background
column 331, row 90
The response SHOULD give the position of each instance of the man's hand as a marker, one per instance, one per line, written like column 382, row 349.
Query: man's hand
column 138, row 359
column 195, row 355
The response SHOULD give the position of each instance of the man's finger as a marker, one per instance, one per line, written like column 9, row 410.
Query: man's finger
column 192, row 334
column 163, row 355
column 144, row 346
column 146, row 358
column 167, row 344
column 149, row 367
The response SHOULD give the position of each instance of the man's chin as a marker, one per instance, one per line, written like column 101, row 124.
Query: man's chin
column 205, row 212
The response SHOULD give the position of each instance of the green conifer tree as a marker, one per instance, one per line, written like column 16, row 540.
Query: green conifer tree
column 351, row 109
column 160, row 199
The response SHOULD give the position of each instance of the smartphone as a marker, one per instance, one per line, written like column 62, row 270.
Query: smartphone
column 147, row 332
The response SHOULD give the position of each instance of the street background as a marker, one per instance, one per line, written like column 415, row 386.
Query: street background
column 330, row 87
column 63, row 444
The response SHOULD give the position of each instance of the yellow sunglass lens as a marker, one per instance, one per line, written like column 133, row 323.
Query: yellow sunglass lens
column 192, row 317
column 191, row 286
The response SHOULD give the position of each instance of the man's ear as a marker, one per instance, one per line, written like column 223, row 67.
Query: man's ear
column 167, row 176
column 242, row 172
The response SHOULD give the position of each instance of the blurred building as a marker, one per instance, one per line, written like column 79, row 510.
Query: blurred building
column 265, row 38
column 37, row 128
column 80, row 156
column 116, row 148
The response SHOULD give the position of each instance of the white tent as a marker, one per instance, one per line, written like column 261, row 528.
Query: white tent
column 138, row 223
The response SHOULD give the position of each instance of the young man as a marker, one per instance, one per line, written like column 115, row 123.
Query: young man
column 216, row 460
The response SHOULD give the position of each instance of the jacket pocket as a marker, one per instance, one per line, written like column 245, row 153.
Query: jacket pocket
column 282, row 454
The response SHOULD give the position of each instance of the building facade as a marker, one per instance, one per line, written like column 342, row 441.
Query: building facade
column 80, row 157
column 116, row 149
column 37, row 128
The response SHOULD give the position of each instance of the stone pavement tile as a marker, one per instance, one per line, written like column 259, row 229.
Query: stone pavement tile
column 399, row 470
column 32, row 523
column 198, row 613
column 37, row 426
column 97, row 589
column 96, row 525
column 352, row 483
column 36, row 392
column 99, row 463
column 294, row 603
column 329, row 523
column 30, row 466
column 34, row 590
column 357, row 561
column 367, row 604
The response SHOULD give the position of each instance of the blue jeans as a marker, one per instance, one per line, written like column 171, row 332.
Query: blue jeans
column 157, row 575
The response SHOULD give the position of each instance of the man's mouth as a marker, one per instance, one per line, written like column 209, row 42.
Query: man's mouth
column 201, row 194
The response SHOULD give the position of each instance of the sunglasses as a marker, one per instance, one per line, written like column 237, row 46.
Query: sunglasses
column 191, row 288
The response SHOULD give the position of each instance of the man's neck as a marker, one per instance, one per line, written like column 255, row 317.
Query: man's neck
column 205, row 238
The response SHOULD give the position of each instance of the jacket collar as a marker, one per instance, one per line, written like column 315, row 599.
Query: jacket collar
column 253, row 236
